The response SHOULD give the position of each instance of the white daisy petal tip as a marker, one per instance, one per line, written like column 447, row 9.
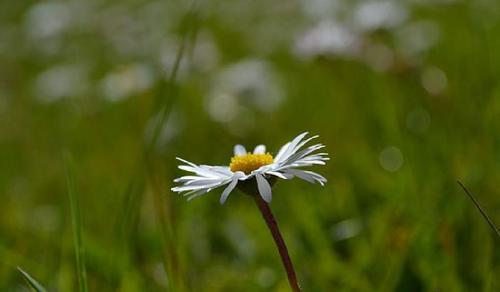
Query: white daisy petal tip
column 260, row 149
column 228, row 190
column 264, row 188
column 239, row 150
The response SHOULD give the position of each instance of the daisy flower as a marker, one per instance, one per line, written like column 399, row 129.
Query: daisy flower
column 259, row 166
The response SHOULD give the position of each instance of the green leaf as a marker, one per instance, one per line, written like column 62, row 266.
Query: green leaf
column 76, row 222
column 32, row 282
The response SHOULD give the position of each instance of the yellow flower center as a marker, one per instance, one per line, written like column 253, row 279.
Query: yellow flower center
column 250, row 162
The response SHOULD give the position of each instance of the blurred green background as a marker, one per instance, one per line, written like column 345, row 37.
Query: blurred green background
column 405, row 94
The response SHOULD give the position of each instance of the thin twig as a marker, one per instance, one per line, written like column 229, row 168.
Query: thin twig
column 485, row 215
column 278, row 239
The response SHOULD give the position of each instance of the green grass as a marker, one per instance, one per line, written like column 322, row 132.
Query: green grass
column 133, row 86
column 485, row 215
column 76, row 223
column 32, row 282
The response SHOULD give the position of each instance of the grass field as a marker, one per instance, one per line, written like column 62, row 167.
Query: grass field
column 97, row 98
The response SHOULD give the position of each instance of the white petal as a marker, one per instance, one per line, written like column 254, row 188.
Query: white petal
column 309, row 176
column 303, row 153
column 291, row 149
column 186, row 188
column 239, row 150
column 305, row 142
column 239, row 175
column 185, row 161
column 200, row 182
column 301, row 174
column 264, row 188
column 223, row 170
column 228, row 190
column 281, row 152
column 190, row 193
column 260, row 149
column 187, row 178
column 197, row 194
column 279, row 174
column 297, row 139
column 199, row 171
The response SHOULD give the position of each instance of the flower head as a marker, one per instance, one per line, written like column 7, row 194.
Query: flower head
column 259, row 166
column 250, row 162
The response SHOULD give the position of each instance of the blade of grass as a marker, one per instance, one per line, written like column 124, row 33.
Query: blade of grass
column 76, row 223
column 481, row 210
column 167, row 90
column 171, row 263
column 166, row 96
column 31, row 281
column 170, row 260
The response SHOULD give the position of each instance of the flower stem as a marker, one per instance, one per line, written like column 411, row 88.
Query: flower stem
column 278, row 239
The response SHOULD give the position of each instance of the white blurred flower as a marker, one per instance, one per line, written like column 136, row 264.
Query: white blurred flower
column 258, row 167
column 61, row 81
column 346, row 229
column 240, row 87
column 321, row 9
column 205, row 55
column 126, row 81
column 203, row 58
column 416, row 38
column 327, row 38
column 122, row 30
column 47, row 19
column 434, row 80
column 372, row 15
column 168, row 55
column 435, row 2
column 159, row 275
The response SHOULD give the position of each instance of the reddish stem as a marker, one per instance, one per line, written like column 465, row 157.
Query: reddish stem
column 278, row 239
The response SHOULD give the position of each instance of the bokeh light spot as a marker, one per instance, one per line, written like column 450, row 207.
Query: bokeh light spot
column 391, row 159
